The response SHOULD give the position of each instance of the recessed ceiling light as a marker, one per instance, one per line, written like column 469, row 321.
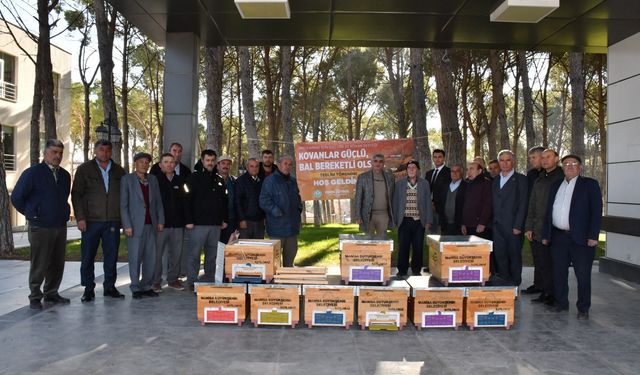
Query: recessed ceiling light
column 263, row 8
column 526, row 11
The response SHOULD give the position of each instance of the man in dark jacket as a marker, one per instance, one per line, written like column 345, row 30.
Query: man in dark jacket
column 476, row 209
column 438, row 178
column 572, row 227
column 280, row 200
column 509, row 201
column 41, row 195
column 170, row 240
column 450, row 217
column 96, row 204
column 543, row 273
column 205, row 216
column 247, row 202
column 224, row 171
column 180, row 169
column 266, row 165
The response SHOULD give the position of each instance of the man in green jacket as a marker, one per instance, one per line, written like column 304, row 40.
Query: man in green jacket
column 96, row 204
column 535, row 220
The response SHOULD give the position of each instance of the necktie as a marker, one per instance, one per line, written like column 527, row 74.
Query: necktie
column 55, row 173
column 434, row 176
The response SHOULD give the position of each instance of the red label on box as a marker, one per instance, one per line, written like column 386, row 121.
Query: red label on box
column 220, row 316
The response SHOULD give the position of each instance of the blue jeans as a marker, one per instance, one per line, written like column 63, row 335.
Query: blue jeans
column 107, row 232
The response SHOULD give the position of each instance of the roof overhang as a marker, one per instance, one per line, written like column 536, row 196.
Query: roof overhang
column 577, row 25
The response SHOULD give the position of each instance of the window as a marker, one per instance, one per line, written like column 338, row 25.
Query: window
column 8, row 143
column 7, row 77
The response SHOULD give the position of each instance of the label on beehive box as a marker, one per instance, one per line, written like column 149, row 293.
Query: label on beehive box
column 491, row 319
column 328, row 318
column 465, row 274
column 382, row 318
column 220, row 314
column 248, row 270
column 274, row 316
column 439, row 319
column 366, row 273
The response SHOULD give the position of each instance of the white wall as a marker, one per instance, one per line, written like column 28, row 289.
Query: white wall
column 623, row 144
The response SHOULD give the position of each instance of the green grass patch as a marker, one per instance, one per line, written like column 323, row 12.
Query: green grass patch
column 316, row 247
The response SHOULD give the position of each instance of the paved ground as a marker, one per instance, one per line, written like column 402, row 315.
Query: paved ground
column 161, row 335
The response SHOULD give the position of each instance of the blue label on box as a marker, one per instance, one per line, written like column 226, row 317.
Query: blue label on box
column 466, row 275
column 366, row 274
column 250, row 280
column 491, row 320
column 328, row 318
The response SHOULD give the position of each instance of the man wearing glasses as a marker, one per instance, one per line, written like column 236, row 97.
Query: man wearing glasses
column 374, row 190
column 572, row 227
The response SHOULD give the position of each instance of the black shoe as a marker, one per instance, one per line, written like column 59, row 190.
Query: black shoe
column 137, row 295
column 541, row 299
column 531, row 290
column 88, row 296
column 583, row 316
column 57, row 299
column 559, row 309
column 416, row 273
column 550, row 301
column 150, row 293
column 35, row 304
column 113, row 293
column 401, row 276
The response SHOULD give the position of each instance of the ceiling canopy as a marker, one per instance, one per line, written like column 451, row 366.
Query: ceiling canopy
column 577, row 25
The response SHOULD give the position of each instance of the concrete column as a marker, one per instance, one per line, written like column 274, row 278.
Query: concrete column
column 181, row 80
column 623, row 161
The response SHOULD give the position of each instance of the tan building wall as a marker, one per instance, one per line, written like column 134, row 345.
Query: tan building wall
column 15, row 109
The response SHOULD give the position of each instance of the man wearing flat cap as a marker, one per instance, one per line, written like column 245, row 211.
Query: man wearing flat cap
column 413, row 215
column 572, row 228
column 142, row 219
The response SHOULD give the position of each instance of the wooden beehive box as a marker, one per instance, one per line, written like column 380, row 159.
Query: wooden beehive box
column 365, row 260
column 383, row 307
column 275, row 304
column 221, row 303
column 459, row 259
column 490, row 307
column 329, row 305
column 435, row 307
column 252, row 259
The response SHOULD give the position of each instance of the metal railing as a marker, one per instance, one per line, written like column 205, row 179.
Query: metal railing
column 10, row 162
column 8, row 91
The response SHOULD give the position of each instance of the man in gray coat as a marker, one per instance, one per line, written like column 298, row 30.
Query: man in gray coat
column 413, row 214
column 142, row 214
column 374, row 190
column 509, row 197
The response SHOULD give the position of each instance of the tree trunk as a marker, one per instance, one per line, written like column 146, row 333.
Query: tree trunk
column 6, row 234
column 247, row 103
column 105, row 29
column 398, row 97
column 419, row 109
column 214, row 68
column 285, row 101
column 36, row 109
column 576, row 77
column 271, row 111
column 545, row 104
column 527, row 99
column 498, row 113
column 448, row 106
column 86, row 138
column 44, row 44
column 126, row 28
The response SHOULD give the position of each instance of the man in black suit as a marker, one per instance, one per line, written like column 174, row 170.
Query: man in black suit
column 181, row 169
column 438, row 178
column 572, row 228
column 451, row 215
column 535, row 170
column 509, row 197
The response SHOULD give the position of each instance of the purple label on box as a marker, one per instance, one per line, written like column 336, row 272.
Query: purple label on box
column 439, row 320
column 366, row 274
column 466, row 275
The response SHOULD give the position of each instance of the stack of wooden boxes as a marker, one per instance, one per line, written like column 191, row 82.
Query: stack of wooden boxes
column 252, row 261
column 301, row 275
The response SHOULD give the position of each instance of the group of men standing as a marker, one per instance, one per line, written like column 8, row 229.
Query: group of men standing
column 557, row 209
column 165, row 212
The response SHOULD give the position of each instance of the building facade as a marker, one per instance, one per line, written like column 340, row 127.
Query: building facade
column 17, row 74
